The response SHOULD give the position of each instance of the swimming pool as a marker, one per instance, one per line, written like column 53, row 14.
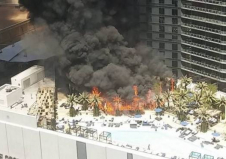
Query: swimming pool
column 166, row 141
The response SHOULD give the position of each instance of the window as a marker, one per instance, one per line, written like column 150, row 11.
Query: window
column 149, row 10
column 150, row 18
column 174, row 55
column 174, row 47
column 161, row 35
column 174, row 20
column 162, row 53
column 174, row 30
column 174, row 12
column 150, row 27
column 161, row 11
column 174, row 63
column 174, row 37
column 174, row 2
column 174, row 71
column 161, row 1
column 149, row 35
column 161, row 28
column 149, row 43
column 161, row 45
column 161, row 20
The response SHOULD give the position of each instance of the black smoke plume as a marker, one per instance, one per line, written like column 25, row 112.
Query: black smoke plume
column 96, row 54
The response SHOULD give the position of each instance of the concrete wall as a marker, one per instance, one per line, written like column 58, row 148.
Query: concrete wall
column 35, row 143
column 33, row 78
column 16, row 118
column 14, row 97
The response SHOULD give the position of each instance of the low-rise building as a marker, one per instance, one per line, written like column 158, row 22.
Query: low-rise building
column 28, row 77
column 9, row 95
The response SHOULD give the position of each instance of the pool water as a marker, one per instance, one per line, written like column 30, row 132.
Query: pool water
column 166, row 141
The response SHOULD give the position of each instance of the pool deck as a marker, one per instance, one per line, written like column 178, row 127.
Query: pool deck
column 166, row 119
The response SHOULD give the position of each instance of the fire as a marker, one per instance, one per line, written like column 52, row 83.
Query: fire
column 95, row 91
column 115, row 104
column 135, row 90
column 172, row 84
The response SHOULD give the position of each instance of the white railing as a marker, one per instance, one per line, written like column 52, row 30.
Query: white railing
column 199, row 27
column 212, row 21
column 209, row 39
column 203, row 46
column 210, row 1
column 202, row 73
column 216, row 59
column 202, row 64
column 215, row 12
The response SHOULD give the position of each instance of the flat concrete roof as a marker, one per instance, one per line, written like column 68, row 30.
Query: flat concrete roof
column 28, row 72
column 11, row 15
column 3, row 88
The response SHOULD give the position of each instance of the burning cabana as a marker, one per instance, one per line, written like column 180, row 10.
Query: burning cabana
column 105, row 137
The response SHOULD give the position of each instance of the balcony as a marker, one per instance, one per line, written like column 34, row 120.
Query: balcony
column 204, row 65
column 204, row 56
column 202, row 28
column 203, row 73
column 202, row 19
column 204, row 47
column 202, row 37
column 213, row 2
column 204, row 10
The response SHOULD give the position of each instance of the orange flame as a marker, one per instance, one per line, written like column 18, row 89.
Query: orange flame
column 135, row 90
column 172, row 84
column 95, row 91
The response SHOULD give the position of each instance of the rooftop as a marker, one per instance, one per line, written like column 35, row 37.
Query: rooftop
column 7, row 89
column 28, row 104
column 28, row 72
column 11, row 16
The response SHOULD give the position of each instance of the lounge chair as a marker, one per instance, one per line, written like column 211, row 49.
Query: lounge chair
column 215, row 140
column 192, row 138
column 207, row 142
column 218, row 146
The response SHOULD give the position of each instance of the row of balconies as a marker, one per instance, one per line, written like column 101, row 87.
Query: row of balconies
column 199, row 27
column 203, row 64
column 209, row 39
column 205, row 10
column 216, row 59
column 202, row 19
column 203, row 73
column 202, row 46
column 210, row 1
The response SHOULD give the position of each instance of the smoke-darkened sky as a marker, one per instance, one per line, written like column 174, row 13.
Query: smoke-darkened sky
column 95, row 53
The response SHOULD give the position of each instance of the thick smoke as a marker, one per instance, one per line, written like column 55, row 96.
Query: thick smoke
column 96, row 54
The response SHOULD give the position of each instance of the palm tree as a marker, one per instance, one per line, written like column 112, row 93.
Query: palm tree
column 96, row 101
column 71, row 100
column 209, row 98
column 182, row 95
column 117, row 100
column 221, row 104
column 201, row 86
column 185, row 81
column 197, row 100
column 180, row 108
column 204, row 118
column 158, row 100
column 84, row 100
column 168, row 95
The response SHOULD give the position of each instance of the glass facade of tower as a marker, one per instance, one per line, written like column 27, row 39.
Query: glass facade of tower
column 203, row 33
